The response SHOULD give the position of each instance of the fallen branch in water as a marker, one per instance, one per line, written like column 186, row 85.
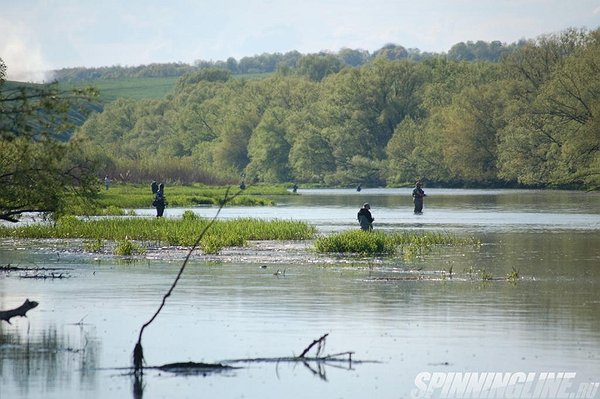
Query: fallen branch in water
column 21, row 311
column 318, row 361
column 342, row 356
column 314, row 363
column 320, row 341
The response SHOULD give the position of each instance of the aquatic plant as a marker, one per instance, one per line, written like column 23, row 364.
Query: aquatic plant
column 113, row 210
column 513, row 276
column 189, row 215
column 128, row 248
column 175, row 232
column 486, row 276
column 93, row 245
column 381, row 243
column 139, row 196
column 357, row 242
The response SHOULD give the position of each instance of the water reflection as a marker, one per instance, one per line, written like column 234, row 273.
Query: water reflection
column 50, row 358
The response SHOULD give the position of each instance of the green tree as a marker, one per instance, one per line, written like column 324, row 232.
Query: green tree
column 268, row 149
column 317, row 66
column 470, row 131
column 311, row 154
column 551, row 136
column 38, row 171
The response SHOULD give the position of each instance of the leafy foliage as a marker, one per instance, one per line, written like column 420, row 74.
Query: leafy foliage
column 38, row 171
column 528, row 119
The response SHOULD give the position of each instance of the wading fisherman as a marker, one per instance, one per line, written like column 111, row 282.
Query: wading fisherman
column 365, row 218
column 418, row 195
column 160, row 202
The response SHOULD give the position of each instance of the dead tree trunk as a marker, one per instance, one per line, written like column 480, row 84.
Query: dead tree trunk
column 22, row 310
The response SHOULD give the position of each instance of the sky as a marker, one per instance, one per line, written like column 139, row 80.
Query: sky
column 37, row 36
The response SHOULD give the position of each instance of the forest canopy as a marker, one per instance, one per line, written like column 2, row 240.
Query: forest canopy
column 527, row 116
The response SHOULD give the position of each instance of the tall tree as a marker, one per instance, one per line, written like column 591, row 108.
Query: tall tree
column 551, row 137
column 38, row 171
column 269, row 150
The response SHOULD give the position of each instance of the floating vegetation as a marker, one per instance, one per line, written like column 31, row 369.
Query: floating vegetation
column 513, row 276
column 410, row 244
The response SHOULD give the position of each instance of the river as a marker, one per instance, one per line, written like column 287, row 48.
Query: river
column 413, row 323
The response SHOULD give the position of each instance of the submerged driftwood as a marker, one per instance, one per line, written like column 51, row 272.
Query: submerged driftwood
column 22, row 310
column 193, row 368
column 319, row 360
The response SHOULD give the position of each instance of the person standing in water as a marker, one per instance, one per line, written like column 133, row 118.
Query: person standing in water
column 365, row 218
column 418, row 194
column 160, row 202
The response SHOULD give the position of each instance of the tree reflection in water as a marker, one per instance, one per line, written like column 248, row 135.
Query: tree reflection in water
column 47, row 358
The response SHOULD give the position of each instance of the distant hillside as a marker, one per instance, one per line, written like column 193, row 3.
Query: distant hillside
column 132, row 88
column 271, row 62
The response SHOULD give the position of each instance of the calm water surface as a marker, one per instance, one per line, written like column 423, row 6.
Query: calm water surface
column 84, row 330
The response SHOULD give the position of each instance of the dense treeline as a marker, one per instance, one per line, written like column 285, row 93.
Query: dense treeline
column 533, row 118
column 41, row 170
column 271, row 62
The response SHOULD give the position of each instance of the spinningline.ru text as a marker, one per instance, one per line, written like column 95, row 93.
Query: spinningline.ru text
column 522, row 385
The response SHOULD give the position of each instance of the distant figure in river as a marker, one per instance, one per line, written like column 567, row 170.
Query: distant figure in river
column 295, row 188
column 107, row 182
column 154, row 187
column 160, row 202
column 365, row 218
column 418, row 195
column 358, row 188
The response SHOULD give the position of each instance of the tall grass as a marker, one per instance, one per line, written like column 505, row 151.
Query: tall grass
column 139, row 196
column 175, row 232
column 380, row 243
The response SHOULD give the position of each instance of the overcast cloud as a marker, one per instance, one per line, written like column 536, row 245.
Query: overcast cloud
column 40, row 35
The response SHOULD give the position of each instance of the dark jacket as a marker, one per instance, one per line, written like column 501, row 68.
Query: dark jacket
column 365, row 219
column 418, row 193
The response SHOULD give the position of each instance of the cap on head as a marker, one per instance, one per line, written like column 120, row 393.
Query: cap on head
column 366, row 205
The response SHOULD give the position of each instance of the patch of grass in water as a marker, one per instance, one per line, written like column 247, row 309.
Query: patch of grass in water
column 380, row 243
column 174, row 232
column 128, row 248
column 93, row 245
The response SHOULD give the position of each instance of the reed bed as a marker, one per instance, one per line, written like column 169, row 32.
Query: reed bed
column 173, row 232
column 380, row 243
column 140, row 196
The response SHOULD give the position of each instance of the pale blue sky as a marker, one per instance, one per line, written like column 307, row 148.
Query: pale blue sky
column 38, row 35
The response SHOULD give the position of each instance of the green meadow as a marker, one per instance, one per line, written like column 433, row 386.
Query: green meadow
column 140, row 87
